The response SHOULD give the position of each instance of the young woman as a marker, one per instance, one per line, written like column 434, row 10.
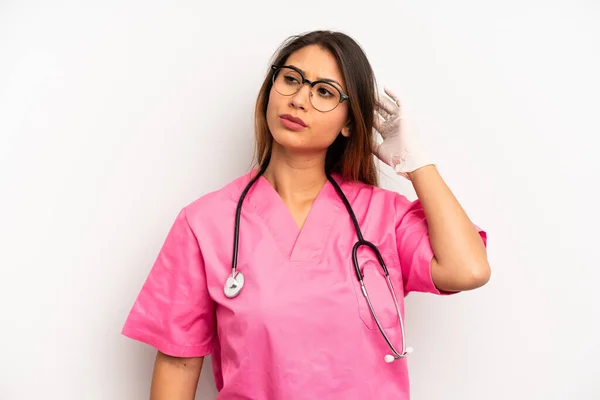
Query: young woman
column 292, row 277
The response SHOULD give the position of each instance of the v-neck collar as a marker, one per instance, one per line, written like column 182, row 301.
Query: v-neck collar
column 298, row 245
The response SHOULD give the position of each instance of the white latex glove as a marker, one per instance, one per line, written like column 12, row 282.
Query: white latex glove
column 399, row 149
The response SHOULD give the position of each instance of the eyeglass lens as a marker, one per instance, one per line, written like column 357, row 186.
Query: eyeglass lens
column 323, row 96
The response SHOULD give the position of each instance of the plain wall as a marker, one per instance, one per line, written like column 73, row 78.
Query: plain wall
column 115, row 114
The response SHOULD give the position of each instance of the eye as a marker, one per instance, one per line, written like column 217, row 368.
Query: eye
column 324, row 91
column 290, row 79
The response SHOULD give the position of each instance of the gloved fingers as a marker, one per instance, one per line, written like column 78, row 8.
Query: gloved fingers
column 389, row 106
column 378, row 120
column 381, row 113
column 385, row 105
column 392, row 95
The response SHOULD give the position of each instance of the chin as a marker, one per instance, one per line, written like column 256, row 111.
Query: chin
column 295, row 141
column 291, row 140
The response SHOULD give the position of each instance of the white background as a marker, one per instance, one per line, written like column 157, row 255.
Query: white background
column 115, row 114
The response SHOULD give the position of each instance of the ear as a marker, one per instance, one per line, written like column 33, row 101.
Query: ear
column 346, row 130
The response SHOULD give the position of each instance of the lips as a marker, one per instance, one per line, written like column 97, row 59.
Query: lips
column 293, row 119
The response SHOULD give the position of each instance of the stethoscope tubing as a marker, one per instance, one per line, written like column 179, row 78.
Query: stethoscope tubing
column 359, row 243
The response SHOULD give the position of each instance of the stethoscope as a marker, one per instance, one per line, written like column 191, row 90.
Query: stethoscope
column 235, row 282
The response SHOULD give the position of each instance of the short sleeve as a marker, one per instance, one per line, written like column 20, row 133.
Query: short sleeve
column 173, row 311
column 414, row 248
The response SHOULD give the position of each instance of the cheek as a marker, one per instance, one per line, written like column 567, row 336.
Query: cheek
column 272, row 107
column 331, row 125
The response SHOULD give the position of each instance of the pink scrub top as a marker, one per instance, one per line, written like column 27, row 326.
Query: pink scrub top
column 300, row 328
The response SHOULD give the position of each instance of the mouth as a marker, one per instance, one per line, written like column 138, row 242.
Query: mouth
column 291, row 122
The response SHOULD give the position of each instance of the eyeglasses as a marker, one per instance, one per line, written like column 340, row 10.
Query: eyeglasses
column 324, row 95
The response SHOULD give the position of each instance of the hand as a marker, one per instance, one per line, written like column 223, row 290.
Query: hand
column 399, row 148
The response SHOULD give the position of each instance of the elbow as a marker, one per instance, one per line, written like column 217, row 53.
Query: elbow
column 479, row 275
column 461, row 277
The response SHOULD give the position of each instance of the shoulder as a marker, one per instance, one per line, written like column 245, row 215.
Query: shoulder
column 375, row 198
column 363, row 191
column 217, row 203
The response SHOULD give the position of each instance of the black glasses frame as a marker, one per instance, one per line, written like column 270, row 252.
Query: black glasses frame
column 276, row 68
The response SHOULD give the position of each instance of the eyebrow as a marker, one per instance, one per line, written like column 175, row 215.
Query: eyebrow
column 319, row 78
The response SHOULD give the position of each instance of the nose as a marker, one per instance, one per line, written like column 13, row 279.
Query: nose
column 302, row 98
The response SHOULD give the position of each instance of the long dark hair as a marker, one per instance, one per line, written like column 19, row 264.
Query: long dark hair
column 351, row 156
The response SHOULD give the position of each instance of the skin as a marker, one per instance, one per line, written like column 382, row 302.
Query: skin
column 296, row 171
column 460, row 259
column 175, row 378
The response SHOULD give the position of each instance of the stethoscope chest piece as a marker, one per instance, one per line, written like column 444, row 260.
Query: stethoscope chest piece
column 234, row 284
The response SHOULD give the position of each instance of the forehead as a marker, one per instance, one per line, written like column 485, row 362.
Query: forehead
column 316, row 63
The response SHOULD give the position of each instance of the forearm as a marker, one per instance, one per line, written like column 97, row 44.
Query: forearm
column 460, row 259
column 175, row 378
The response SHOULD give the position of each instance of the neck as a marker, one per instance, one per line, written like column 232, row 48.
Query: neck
column 296, row 177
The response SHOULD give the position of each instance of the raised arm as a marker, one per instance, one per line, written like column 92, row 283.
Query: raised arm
column 460, row 260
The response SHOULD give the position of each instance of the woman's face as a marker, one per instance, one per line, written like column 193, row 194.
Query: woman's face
column 321, row 127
